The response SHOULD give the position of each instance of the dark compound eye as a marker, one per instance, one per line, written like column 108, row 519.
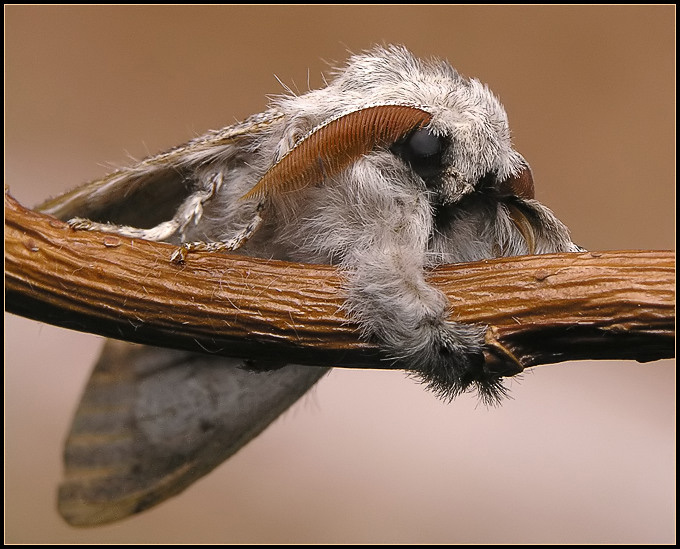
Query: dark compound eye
column 423, row 150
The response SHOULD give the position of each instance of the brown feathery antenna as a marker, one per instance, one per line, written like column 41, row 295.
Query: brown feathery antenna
column 333, row 146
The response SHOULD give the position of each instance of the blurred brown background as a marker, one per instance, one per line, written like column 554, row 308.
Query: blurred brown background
column 584, row 453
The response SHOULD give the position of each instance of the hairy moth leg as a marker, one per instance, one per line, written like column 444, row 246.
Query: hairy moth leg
column 180, row 254
column 191, row 210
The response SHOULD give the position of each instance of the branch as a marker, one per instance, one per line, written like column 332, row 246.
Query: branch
column 542, row 309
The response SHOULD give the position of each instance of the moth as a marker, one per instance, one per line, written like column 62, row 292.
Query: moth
column 396, row 166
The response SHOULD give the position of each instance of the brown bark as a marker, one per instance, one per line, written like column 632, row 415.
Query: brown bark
column 540, row 309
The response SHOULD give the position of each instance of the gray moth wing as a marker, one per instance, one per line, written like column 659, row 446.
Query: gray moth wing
column 152, row 421
column 150, row 191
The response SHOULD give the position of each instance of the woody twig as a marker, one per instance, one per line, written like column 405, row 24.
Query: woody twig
column 541, row 309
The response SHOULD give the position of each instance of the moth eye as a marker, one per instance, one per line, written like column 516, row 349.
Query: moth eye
column 423, row 151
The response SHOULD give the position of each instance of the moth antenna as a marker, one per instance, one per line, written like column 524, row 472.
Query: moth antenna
column 333, row 146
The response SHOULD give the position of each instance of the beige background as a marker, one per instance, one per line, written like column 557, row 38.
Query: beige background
column 584, row 453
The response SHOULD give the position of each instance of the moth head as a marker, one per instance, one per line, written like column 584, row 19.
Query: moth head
column 451, row 130
column 450, row 134
column 435, row 158
column 432, row 157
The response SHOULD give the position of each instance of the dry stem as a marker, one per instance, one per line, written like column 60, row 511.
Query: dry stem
column 540, row 309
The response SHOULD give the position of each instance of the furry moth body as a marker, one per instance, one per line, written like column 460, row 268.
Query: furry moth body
column 396, row 166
